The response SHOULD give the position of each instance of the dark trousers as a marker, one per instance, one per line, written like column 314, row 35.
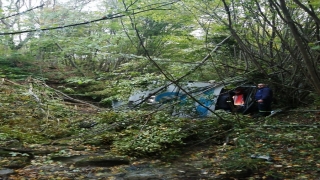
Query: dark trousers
column 264, row 108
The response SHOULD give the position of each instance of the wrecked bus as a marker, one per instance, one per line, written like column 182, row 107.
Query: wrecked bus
column 207, row 97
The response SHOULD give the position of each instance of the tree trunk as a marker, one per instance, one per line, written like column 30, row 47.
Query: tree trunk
column 302, row 46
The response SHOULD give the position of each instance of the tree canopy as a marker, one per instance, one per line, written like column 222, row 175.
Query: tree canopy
column 272, row 41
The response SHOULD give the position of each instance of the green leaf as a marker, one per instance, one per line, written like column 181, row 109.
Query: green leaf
column 14, row 154
column 316, row 47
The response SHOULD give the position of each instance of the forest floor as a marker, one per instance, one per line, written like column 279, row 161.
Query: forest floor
column 285, row 151
column 42, row 137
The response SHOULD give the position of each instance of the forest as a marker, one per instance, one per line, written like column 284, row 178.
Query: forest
column 68, row 69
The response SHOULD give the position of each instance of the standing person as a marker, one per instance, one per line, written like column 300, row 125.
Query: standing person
column 239, row 98
column 264, row 98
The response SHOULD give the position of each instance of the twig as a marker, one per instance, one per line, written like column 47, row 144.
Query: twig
column 204, row 140
column 288, row 125
column 36, row 98
column 6, row 80
column 70, row 98
column 304, row 110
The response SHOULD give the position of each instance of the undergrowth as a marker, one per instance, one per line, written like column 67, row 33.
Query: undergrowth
column 276, row 147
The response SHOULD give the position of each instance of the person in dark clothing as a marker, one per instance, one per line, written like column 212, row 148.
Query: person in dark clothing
column 263, row 97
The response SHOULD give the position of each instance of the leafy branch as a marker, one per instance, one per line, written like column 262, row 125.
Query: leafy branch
column 107, row 17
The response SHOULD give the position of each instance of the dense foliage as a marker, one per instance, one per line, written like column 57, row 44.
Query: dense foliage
column 178, row 40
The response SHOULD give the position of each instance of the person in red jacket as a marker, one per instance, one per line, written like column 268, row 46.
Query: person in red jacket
column 264, row 97
column 238, row 99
